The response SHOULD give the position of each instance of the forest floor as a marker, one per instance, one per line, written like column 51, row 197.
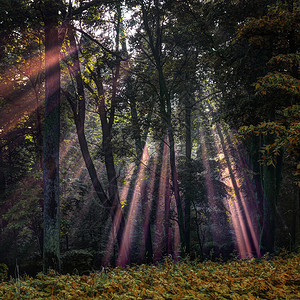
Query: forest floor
column 266, row 278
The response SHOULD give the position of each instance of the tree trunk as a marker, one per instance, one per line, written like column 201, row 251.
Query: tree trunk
column 51, row 248
column 269, row 204
column 78, row 109
column 257, row 178
column 188, row 152
column 2, row 178
column 165, row 105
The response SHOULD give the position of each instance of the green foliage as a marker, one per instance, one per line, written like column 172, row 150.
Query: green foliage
column 285, row 62
column 267, row 30
column 280, row 88
column 276, row 82
column 286, row 133
column 276, row 278
column 3, row 272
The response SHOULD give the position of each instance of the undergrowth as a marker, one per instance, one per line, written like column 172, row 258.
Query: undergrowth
column 276, row 278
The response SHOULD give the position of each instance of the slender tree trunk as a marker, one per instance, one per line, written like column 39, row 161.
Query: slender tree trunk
column 174, row 178
column 295, row 232
column 188, row 152
column 167, row 216
column 257, row 178
column 155, row 43
column 136, row 128
column 2, row 178
column 78, row 109
column 51, row 248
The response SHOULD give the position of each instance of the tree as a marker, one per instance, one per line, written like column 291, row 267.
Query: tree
column 51, row 248
column 278, row 89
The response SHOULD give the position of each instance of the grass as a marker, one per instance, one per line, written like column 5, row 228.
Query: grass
column 276, row 278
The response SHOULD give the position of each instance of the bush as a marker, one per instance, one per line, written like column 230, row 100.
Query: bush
column 77, row 262
column 3, row 272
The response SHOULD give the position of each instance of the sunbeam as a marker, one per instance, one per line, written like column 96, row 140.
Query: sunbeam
column 160, row 206
column 209, row 184
column 23, row 103
column 124, row 254
column 246, row 237
column 117, row 219
column 176, row 234
column 148, row 207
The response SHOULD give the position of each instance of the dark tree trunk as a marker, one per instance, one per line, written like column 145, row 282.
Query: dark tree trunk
column 257, row 178
column 2, row 178
column 51, row 248
column 155, row 43
column 269, row 204
column 139, row 145
column 295, row 232
column 168, row 237
column 188, row 151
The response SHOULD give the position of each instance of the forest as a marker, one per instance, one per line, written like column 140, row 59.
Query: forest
column 147, row 132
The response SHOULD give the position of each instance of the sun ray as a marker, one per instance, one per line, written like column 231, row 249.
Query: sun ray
column 148, row 207
column 246, row 237
column 160, row 207
column 248, row 206
column 176, row 234
column 22, row 102
column 117, row 219
column 209, row 185
column 124, row 254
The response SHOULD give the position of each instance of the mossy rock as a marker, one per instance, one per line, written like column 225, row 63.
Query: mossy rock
column 3, row 272
column 77, row 262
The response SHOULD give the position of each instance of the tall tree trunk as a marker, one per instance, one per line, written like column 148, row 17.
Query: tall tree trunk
column 51, row 247
column 2, row 178
column 257, row 178
column 188, row 153
column 165, row 106
column 269, row 204
column 139, row 145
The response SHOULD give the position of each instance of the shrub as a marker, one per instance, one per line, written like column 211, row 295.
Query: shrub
column 77, row 262
column 3, row 272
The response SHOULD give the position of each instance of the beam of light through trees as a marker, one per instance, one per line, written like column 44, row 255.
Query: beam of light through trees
column 23, row 107
column 239, row 212
column 160, row 206
column 148, row 207
column 124, row 252
column 250, row 207
column 117, row 219
column 209, row 184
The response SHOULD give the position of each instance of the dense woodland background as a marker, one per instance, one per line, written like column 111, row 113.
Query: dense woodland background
column 177, row 124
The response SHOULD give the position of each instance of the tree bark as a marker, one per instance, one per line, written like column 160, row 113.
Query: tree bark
column 188, row 157
column 269, row 205
column 51, row 247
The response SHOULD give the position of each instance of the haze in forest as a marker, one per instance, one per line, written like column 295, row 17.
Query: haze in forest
column 131, row 131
